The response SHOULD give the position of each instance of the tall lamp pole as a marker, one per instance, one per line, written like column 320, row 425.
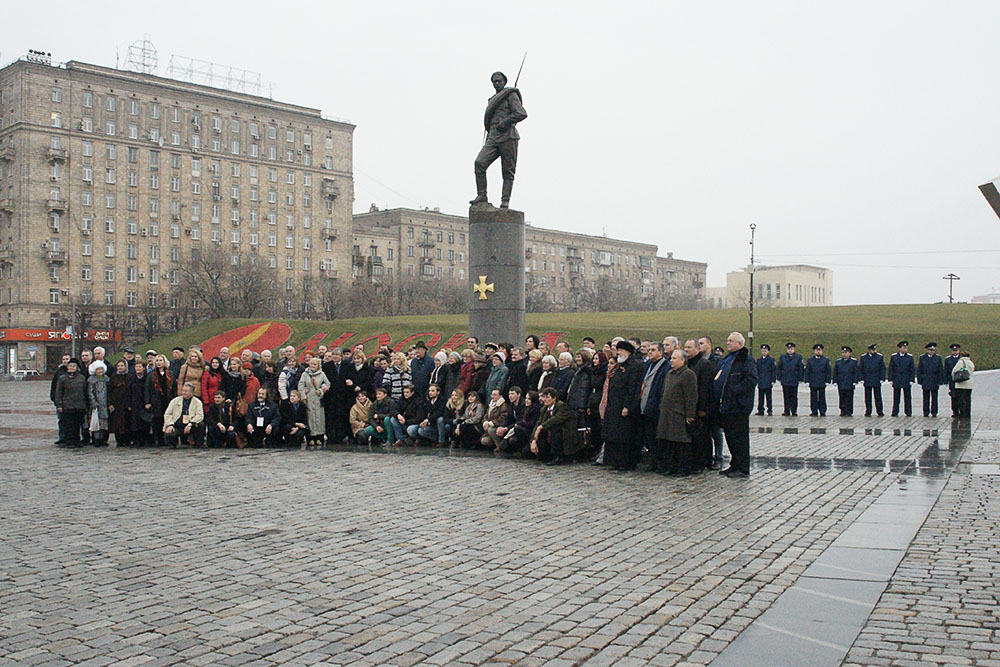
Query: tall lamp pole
column 951, row 278
column 753, row 228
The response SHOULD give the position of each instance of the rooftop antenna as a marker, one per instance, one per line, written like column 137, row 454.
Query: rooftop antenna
column 142, row 57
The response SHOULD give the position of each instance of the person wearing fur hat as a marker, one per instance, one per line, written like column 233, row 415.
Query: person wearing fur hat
column 97, row 399
column 497, row 378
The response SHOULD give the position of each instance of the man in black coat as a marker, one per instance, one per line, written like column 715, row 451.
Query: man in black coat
column 733, row 389
column 622, row 421
column 52, row 397
column 701, row 446
column 949, row 366
column 654, row 371
column 338, row 399
column 930, row 375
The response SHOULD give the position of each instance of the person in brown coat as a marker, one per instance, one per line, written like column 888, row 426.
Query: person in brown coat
column 678, row 405
column 191, row 371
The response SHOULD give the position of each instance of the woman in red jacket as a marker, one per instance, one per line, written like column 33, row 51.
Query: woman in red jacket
column 211, row 381
column 468, row 371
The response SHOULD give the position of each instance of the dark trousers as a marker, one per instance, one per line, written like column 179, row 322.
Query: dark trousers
column 550, row 441
column 73, row 423
column 506, row 151
column 907, row 400
column 678, row 457
column 62, row 426
column 701, row 445
column 216, row 438
column 737, row 428
column 649, row 424
column 930, row 401
column 194, row 438
column 258, row 437
column 817, row 400
column 790, row 396
column 963, row 402
column 337, row 426
column 296, row 439
column 846, row 401
column 763, row 395
column 875, row 392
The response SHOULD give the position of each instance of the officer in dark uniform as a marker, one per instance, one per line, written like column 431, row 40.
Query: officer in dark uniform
column 930, row 375
column 901, row 375
column 766, row 375
column 846, row 374
column 949, row 366
column 817, row 377
column 872, row 366
column 790, row 369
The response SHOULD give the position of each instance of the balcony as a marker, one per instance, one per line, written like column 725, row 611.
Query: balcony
column 329, row 273
column 7, row 205
column 426, row 243
column 55, row 204
column 57, row 256
column 6, row 253
column 56, row 154
column 329, row 233
column 7, row 152
column 358, row 260
column 330, row 189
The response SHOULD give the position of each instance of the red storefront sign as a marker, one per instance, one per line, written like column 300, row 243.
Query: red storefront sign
column 57, row 335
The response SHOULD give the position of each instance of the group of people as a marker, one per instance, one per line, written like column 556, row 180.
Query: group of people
column 673, row 404
column 931, row 372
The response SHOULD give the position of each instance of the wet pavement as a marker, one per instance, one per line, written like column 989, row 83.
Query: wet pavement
column 857, row 540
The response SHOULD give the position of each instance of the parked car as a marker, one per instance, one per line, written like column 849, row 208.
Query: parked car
column 27, row 374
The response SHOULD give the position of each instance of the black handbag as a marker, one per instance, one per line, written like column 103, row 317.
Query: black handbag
column 961, row 375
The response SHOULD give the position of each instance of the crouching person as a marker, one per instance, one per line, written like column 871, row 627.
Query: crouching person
column 263, row 421
column 382, row 416
column 358, row 418
column 221, row 421
column 556, row 431
column 434, row 427
column 294, row 420
column 184, row 420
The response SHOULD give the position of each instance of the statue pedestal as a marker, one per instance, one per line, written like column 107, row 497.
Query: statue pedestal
column 496, row 271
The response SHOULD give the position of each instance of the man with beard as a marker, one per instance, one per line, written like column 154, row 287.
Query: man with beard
column 621, row 436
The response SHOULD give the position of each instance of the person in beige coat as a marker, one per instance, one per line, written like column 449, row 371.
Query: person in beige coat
column 963, row 388
column 191, row 371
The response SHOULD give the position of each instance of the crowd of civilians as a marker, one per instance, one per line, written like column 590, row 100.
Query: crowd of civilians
column 673, row 405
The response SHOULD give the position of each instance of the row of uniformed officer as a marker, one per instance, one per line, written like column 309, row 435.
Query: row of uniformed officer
column 789, row 369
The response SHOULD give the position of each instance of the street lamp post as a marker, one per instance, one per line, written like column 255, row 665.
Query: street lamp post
column 753, row 228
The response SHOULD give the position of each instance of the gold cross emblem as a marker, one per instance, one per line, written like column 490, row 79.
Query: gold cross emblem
column 483, row 287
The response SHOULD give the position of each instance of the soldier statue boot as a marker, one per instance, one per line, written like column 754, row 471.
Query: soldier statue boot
column 480, row 190
column 508, row 185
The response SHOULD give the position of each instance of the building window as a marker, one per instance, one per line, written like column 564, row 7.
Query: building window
column 88, row 99
column 109, row 274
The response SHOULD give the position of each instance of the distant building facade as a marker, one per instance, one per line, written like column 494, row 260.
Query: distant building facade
column 786, row 286
column 110, row 180
column 993, row 297
column 561, row 266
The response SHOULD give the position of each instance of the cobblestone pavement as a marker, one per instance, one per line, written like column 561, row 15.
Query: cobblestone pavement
column 287, row 557
column 941, row 605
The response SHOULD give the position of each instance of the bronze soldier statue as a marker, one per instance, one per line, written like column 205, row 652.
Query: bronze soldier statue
column 503, row 111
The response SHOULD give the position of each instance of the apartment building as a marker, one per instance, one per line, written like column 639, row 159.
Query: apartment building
column 111, row 180
column 560, row 266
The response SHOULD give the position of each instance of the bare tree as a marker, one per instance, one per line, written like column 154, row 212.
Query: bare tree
column 224, row 287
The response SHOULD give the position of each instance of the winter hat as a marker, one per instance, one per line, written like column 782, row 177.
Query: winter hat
column 92, row 369
column 442, row 356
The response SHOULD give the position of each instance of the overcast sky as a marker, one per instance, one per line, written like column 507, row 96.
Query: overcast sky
column 842, row 129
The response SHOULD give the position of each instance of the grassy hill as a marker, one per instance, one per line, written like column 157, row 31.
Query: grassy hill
column 975, row 326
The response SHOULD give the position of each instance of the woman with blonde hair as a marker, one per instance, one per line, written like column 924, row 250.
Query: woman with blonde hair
column 397, row 376
column 534, row 370
column 191, row 371
column 312, row 386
